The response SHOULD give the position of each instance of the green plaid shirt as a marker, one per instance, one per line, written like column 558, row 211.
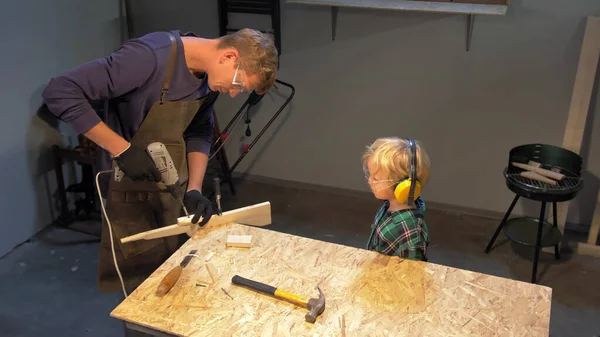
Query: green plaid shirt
column 400, row 233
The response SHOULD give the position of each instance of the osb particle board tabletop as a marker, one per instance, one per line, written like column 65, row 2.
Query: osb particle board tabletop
column 367, row 294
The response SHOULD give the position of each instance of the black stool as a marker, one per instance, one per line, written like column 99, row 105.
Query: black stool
column 536, row 232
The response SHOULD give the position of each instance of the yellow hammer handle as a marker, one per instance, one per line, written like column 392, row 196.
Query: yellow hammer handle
column 299, row 300
column 270, row 290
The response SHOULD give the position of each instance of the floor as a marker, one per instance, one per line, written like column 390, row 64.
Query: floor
column 49, row 282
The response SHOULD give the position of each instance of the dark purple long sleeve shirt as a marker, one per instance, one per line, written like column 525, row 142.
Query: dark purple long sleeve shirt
column 131, row 78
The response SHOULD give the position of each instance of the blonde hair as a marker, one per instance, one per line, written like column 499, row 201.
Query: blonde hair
column 391, row 155
column 258, row 55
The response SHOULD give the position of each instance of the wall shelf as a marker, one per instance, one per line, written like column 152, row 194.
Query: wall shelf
column 468, row 9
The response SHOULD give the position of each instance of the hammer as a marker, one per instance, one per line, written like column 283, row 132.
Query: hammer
column 316, row 306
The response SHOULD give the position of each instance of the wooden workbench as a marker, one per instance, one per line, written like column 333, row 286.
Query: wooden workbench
column 367, row 294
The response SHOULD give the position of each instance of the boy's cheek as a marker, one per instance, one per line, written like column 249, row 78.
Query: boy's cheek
column 380, row 194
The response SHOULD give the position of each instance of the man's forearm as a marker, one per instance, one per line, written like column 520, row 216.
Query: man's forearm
column 107, row 139
column 197, row 163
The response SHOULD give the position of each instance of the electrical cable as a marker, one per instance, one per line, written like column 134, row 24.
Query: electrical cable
column 112, row 244
column 226, row 138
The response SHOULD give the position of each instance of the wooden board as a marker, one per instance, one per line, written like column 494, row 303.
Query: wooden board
column 590, row 247
column 411, row 5
column 583, row 248
column 372, row 294
column 580, row 102
column 255, row 215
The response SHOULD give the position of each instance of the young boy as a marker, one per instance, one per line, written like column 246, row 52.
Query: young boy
column 399, row 226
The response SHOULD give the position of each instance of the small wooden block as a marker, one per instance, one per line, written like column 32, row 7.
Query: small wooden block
column 239, row 241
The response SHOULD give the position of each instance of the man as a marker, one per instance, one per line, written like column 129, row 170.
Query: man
column 159, row 87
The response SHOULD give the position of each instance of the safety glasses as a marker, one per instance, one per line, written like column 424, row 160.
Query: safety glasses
column 374, row 180
column 238, row 82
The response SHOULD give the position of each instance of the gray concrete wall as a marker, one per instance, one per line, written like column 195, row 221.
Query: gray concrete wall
column 40, row 39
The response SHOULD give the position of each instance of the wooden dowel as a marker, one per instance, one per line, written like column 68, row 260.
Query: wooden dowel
column 539, row 177
column 544, row 172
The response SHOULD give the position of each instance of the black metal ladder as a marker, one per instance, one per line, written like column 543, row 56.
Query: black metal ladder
column 262, row 7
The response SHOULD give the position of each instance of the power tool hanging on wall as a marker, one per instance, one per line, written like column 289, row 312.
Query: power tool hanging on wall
column 251, row 101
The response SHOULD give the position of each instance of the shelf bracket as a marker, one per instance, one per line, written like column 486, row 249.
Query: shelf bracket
column 470, row 22
column 334, row 14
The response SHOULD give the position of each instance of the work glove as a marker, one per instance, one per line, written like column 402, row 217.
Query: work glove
column 198, row 204
column 137, row 164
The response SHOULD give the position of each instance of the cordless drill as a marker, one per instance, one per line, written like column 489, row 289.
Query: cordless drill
column 168, row 173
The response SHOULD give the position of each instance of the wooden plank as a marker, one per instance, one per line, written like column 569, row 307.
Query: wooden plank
column 584, row 83
column 595, row 227
column 580, row 102
column 583, row 248
column 411, row 5
column 373, row 294
column 254, row 215
column 590, row 247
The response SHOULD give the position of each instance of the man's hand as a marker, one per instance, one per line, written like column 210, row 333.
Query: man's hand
column 137, row 165
column 195, row 202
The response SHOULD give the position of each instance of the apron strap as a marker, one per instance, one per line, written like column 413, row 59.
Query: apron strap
column 165, row 87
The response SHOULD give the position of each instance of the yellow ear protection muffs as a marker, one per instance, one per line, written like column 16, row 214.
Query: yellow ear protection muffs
column 407, row 190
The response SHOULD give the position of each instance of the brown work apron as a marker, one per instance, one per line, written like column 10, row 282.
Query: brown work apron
column 138, row 206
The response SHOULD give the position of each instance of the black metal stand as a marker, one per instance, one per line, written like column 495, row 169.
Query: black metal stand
column 88, row 203
column 552, row 236
column 534, row 232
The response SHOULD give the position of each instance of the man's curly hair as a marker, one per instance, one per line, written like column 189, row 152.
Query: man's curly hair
column 258, row 55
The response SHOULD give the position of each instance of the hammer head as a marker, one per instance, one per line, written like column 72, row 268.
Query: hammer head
column 316, row 307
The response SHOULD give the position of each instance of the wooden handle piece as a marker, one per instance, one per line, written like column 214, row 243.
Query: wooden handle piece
column 539, row 177
column 541, row 171
column 168, row 281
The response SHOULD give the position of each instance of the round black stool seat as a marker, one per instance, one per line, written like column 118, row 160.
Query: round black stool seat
column 543, row 186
